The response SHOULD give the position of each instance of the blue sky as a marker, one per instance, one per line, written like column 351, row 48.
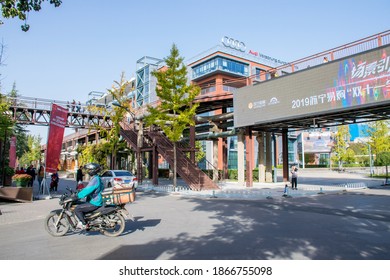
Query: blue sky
column 84, row 46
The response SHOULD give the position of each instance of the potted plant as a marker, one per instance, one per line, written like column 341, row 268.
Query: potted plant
column 9, row 172
column 21, row 180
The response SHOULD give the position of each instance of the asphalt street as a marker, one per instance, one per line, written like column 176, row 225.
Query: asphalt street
column 337, row 225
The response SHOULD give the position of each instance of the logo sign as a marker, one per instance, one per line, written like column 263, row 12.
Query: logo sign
column 233, row 44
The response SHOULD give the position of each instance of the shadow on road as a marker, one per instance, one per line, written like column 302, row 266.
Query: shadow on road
column 302, row 228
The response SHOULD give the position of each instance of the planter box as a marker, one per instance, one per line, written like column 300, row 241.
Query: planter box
column 20, row 194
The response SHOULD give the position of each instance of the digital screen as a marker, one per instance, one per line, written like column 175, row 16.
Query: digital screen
column 362, row 80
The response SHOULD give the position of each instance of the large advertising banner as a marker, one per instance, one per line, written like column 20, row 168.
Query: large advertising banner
column 317, row 141
column 355, row 82
column 58, row 120
column 12, row 152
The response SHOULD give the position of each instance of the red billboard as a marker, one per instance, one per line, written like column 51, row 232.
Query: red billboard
column 58, row 120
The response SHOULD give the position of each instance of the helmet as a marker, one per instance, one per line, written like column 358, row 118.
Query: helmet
column 92, row 168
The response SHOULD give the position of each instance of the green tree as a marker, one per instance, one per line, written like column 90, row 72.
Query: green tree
column 19, row 130
column 21, row 9
column 116, row 114
column 6, row 126
column 340, row 153
column 378, row 133
column 34, row 153
column 94, row 153
column 176, row 109
column 383, row 159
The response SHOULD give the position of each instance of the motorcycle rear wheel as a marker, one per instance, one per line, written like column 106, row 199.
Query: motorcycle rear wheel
column 116, row 227
column 50, row 225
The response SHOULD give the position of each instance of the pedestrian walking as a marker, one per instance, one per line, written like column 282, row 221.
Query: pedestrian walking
column 294, row 177
column 41, row 176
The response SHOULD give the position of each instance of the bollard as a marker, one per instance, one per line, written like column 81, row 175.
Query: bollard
column 213, row 196
column 285, row 193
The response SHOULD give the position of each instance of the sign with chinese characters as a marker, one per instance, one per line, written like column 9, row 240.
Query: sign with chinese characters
column 58, row 119
column 362, row 80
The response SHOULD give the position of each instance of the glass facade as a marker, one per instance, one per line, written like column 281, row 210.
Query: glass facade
column 222, row 64
column 145, row 81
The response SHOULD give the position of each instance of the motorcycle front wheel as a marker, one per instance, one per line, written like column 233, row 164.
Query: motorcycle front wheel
column 115, row 225
column 55, row 228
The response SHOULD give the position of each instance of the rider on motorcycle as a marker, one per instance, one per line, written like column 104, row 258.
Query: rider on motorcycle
column 93, row 193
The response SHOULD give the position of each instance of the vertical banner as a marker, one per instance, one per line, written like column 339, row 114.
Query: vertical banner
column 12, row 152
column 58, row 119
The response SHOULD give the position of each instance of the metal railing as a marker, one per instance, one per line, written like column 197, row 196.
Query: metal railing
column 349, row 49
column 46, row 104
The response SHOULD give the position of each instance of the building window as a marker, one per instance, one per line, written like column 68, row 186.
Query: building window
column 222, row 64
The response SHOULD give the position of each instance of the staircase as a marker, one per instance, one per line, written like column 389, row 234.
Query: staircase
column 190, row 172
column 129, row 133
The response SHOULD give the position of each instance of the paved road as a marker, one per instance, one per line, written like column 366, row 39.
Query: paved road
column 338, row 225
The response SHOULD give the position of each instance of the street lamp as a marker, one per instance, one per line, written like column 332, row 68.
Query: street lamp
column 369, row 156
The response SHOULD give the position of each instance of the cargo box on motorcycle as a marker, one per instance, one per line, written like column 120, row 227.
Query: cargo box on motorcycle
column 119, row 196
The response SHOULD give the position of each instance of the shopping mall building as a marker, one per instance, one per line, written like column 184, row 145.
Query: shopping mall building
column 219, row 72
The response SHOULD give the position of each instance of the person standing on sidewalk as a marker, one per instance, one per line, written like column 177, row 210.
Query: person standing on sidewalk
column 294, row 177
column 79, row 175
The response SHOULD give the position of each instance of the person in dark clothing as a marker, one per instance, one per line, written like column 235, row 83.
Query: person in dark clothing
column 79, row 174
column 31, row 171
column 54, row 181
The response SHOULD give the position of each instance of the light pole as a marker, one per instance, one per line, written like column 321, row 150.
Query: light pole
column 369, row 156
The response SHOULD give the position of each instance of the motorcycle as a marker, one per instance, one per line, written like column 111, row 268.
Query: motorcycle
column 108, row 219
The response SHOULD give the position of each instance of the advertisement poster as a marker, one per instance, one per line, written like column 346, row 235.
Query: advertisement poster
column 58, row 120
column 12, row 152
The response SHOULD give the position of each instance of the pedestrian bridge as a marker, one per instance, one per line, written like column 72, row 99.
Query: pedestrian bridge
column 36, row 111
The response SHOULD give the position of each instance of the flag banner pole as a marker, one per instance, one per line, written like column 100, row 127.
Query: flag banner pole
column 58, row 119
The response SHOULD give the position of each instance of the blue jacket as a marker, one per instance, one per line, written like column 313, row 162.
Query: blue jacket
column 93, row 191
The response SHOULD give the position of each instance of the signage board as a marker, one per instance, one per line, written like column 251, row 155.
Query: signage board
column 361, row 80
column 58, row 119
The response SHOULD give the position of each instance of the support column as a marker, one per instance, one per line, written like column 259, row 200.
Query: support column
column 240, row 158
column 225, row 172
column 268, row 157
column 215, row 160
column 249, row 157
column 285, row 155
column 155, row 165
column 224, row 142
column 192, row 143
column 261, row 157
column 139, row 153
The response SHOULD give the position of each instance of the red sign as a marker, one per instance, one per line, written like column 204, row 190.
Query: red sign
column 12, row 152
column 56, row 135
